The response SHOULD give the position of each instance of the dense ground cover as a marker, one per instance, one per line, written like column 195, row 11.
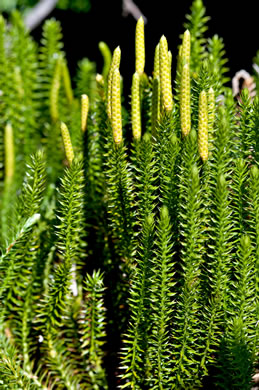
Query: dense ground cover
column 130, row 238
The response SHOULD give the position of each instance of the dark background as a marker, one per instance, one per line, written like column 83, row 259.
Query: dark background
column 236, row 23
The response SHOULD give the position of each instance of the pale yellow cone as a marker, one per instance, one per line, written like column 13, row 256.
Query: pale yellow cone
column 185, row 100
column 135, row 106
column 165, row 76
column 140, row 46
column 84, row 111
column 203, row 126
column 156, row 72
column 116, row 118
column 186, row 47
column 114, row 64
column 67, row 143
column 9, row 153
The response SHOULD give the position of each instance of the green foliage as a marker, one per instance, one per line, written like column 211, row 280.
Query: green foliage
column 197, row 25
column 69, row 239
column 256, row 70
column 9, row 268
column 254, row 124
column 134, row 354
column 247, row 131
column 92, row 328
column 120, row 201
column 50, row 50
column 175, row 240
column 107, row 58
column 217, row 59
column 11, row 372
column 34, row 185
column 19, row 91
column 7, row 5
column 85, row 80
column 144, row 175
column 28, row 208
column 187, row 335
column 75, row 5
column 25, row 5
column 3, row 68
column 204, row 80
column 238, row 343
column 22, row 261
column 162, row 304
column 218, row 269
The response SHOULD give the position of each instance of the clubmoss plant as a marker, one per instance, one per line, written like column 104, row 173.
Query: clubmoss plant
column 129, row 237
